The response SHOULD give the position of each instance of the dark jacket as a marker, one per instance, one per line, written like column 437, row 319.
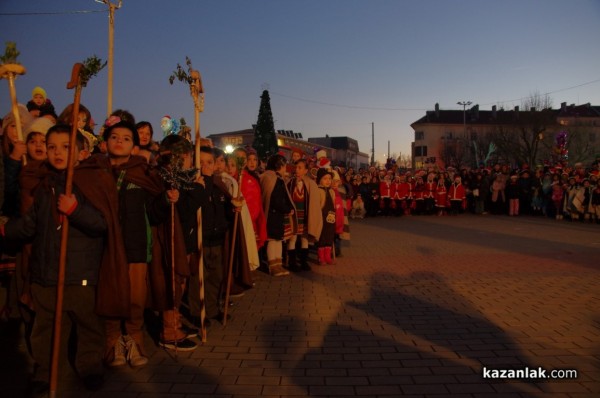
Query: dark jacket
column 43, row 223
column 216, row 212
column 138, row 210
column 188, row 204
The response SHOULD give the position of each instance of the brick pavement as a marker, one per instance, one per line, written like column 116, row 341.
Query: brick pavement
column 415, row 307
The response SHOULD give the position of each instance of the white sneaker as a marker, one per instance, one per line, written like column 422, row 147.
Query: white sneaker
column 119, row 351
column 134, row 356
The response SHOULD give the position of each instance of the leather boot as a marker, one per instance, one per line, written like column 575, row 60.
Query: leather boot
column 292, row 264
column 304, row 260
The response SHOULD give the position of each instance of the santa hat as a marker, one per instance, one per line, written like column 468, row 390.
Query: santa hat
column 321, row 154
column 39, row 91
column 39, row 125
column 298, row 151
column 324, row 163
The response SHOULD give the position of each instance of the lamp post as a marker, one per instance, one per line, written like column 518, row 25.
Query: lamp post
column 111, row 34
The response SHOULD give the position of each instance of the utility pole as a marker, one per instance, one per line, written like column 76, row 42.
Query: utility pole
column 372, row 144
column 464, row 105
column 388, row 154
column 111, row 35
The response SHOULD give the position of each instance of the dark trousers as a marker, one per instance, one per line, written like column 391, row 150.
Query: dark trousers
column 78, row 311
column 214, row 272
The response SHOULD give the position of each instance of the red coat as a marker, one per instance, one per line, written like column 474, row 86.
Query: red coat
column 456, row 192
column 441, row 195
column 430, row 188
column 402, row 190
column 385, row 189
column 419, row 191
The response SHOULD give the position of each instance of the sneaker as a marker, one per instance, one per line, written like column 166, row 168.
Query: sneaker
column 120, row 353
column 277, row 270
column 179, row 345
column 134, row 356
column 189, row 331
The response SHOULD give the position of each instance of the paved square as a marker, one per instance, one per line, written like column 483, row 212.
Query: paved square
column 416, row 307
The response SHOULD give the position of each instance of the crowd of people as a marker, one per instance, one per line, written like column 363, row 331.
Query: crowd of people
column 560, row 191
column 150, row 225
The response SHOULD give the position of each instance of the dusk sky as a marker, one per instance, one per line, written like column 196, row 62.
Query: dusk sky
column 331, row 66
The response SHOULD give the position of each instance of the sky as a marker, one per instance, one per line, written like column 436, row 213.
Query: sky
column 331, row 66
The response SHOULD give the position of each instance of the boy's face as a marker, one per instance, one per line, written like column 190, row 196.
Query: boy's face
column 57, row 148
column 36, row 146
column 207, row 163
column 301, row 170
column 38, row 99
column 145, row 135
column 120, row 142
column 220, row 164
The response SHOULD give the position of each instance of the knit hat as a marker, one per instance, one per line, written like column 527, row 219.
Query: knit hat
column 39, row 125
column 321, row 173
column 24, row 114
column 40, row 91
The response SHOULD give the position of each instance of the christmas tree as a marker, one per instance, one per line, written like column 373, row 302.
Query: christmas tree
column 265, row 141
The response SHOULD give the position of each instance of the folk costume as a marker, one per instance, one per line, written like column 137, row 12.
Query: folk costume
column 305, row 195
column 277, row 205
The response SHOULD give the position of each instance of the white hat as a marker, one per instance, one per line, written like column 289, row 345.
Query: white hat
column 38, row 125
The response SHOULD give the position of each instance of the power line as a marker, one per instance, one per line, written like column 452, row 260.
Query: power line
column 51, row 12
column 417, row 109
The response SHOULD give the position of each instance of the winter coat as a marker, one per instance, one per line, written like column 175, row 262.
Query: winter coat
column 277, row 204
column 43, row 223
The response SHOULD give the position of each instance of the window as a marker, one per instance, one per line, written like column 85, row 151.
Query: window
column 421, row 150
column 419, row 135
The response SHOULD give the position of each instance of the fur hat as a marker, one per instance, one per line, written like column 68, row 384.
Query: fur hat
column 38, row 125
column 38, row 90
column 322, row 173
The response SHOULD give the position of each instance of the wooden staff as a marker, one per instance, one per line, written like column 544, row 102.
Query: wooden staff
column 74, row 83
column 10, row 72
column 197, row 92
column 232, row 251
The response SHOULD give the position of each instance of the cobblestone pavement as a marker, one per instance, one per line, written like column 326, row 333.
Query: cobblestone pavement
column 415, row 307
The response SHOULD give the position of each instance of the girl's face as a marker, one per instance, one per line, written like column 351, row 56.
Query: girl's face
column 252, row 162
column 231, row 167
column 120, row 142
column 326, row 181
column 81, row 120
column 36, row 146
column 335, row 183
column 145, row 135
column 11, row 132
column 38, row 99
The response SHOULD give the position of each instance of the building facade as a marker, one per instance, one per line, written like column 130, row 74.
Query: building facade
column 474, row 137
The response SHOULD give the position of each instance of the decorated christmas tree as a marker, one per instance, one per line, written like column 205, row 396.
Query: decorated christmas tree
column 265, row 140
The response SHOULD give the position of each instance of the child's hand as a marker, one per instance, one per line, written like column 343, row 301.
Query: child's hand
column 19, row 150
column 67, row 204
column 200, row 180
column 172, row 195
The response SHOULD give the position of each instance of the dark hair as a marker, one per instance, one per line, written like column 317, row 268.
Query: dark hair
column 302, row 161
column 144, row 123
column 217, row 152
column 275, row 162
column 207, row 149
column 125, row 116
column 66, row 116
column 172, row 146
column 66, row 129
column 126, row 125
